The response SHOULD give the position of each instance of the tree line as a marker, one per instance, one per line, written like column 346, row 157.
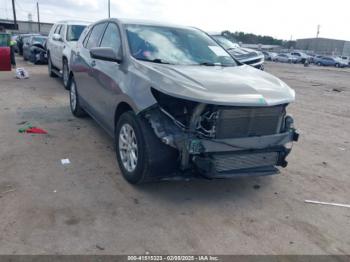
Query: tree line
column 249, row 38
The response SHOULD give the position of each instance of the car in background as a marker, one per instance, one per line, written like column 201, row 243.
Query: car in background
column 20, row 41
column 269, row 56
column 62, row 38
column 175, row 101
column 301, row 57
column 285, row 58
column 329, row 61
column 345, row 59
column 34, row 49
column 244, row 55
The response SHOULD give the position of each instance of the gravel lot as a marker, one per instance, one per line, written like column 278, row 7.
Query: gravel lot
column 87, row 207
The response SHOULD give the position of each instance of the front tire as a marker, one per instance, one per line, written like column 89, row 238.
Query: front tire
column 74, row 102
column 141, row 156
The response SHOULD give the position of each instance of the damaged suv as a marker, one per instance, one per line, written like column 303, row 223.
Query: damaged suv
column 177, row 103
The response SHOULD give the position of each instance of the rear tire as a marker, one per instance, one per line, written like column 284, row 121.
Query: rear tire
column 74, row 103
column 152, row 159
column 65, row 75
column 49, row 66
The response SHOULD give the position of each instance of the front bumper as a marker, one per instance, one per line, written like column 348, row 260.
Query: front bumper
column 249, row 156
column 223, row 158
column 257, row 62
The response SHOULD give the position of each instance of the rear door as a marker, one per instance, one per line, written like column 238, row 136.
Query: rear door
column 53, row 46
column 60, row 46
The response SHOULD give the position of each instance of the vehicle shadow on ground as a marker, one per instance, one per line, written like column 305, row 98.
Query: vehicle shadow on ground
column 204, row 191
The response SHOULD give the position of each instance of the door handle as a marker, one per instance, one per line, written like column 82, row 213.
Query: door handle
column 93, row 63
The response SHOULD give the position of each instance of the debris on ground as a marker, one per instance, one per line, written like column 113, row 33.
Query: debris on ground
column 65, row 161
column 32, row 130
column 100, row 248
column 36, row 130
column 337, row 90
column 256, row 187
column 21, row 73
column 8, row 189
column 22, row 123
column 326, row 203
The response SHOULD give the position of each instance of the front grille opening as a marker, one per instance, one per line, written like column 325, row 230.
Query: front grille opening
column 239, row 122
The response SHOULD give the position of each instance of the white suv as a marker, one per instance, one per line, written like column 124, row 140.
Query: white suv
column 62, row 38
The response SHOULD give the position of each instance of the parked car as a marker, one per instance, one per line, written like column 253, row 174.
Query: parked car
column 20, row 39
column 244, row 55
column 329, row 61
column 269, row 56
column 34, row 49
column 175, row 101
column 285, row 58
column 345, row 59
column 62, row 38
column 301, row 57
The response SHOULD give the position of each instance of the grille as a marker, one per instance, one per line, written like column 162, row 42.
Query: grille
column 247, row 122
column 234, row 162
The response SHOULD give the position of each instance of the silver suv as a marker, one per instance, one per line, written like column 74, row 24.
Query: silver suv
column 177, row 103
column 62, row 37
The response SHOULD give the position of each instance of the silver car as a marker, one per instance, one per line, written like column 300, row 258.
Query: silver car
column 244, row 55
column 177, row 103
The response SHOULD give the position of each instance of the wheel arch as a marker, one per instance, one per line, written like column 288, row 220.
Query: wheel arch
column 121, row 109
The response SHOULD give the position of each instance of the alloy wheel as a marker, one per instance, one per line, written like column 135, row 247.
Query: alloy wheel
column 128, row 148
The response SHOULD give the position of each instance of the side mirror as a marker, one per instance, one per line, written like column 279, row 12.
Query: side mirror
column 57, row 37
column 106, row 54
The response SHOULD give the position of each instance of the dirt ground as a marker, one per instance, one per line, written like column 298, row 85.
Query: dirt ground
column 87, row 207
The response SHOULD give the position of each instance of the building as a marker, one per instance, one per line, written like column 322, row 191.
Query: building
column 26, row 26
column 324, row 46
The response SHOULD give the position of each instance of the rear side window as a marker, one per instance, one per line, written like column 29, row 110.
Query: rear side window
column 58, row 29
column 111, row 37
column 74, row 32
column 95, row 35
column 62, row 31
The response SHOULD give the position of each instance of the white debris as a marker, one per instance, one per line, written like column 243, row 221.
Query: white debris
column 65, row 161
column 326, row 203
column 21, row 73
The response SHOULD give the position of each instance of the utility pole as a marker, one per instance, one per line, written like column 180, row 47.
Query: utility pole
column 38, row 14
column 109, row 8
column 318, row 31
column 14, row 13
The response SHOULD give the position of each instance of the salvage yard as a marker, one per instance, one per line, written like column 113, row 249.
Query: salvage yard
column 86, row 207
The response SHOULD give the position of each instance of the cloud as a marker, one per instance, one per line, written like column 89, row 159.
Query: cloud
column 278, row 18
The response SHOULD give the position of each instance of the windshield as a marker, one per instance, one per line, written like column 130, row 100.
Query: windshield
column 227, row 44
column 40, row 40
column 175, row 46
column 74, row 32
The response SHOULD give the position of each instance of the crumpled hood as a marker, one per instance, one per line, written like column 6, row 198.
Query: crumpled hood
column 235, row 86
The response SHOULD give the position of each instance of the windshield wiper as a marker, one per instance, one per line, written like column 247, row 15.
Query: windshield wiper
column 156, row 60
column 208, row 64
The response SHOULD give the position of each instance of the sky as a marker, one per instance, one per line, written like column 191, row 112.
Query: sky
column 281, row 19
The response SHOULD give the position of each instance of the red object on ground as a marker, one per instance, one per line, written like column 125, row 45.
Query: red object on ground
column 5, row 59
column 35, row 130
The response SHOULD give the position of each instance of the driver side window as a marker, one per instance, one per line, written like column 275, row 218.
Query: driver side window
column 111, row 37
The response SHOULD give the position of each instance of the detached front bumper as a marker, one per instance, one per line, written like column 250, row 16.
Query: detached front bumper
column 250, row 156
column 229, row 157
